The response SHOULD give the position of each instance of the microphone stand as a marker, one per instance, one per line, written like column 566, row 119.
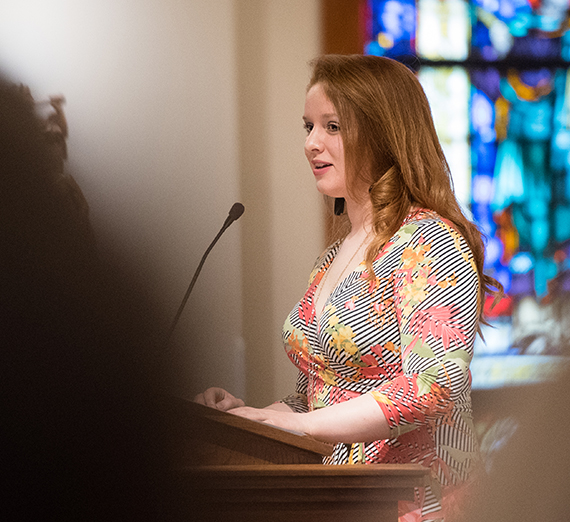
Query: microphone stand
column 235, row 213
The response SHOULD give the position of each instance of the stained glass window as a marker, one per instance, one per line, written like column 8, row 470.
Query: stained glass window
column 496, row 73
column 443, row 30
column 447, row 89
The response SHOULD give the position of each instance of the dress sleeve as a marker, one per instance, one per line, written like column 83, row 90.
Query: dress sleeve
column 435, row 298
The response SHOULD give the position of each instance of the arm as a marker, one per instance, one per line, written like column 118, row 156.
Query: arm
column 278, row 406
column 436, row 299
column 357, row 420
column 436, row 292
column 354, row 421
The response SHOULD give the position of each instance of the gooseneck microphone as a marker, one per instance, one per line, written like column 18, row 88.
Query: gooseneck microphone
column 234, row 214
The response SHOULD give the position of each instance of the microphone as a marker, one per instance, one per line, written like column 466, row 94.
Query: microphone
column 234, row 214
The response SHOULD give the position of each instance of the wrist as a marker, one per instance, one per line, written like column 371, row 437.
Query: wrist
column 279, row 406
column 315, row 425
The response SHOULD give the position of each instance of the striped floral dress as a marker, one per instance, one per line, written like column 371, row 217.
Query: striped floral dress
column 405, row 337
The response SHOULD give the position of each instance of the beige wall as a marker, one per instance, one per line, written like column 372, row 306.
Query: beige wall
column 177, row 109
column 282, row 232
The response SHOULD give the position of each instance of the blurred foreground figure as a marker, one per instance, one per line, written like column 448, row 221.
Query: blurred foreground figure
column 82, row 437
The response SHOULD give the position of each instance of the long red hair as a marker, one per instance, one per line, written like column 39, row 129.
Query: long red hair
column 391, row 145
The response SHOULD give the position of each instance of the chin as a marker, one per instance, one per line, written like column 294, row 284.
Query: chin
column 331, row 192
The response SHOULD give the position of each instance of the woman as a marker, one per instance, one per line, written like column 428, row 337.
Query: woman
column 384, row 335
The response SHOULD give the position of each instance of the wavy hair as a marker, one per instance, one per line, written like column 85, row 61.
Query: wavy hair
column 391, row 145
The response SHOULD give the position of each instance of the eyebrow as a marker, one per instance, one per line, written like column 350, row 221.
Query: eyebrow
column 328, row 115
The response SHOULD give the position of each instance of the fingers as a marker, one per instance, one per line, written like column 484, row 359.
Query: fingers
column 229, row 402
column 218, row 398
column 214, row 396
column 210, row 397
column 200, row 399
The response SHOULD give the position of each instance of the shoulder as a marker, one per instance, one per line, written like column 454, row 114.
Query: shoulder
column 426, row 225
column 440, row 245
column 425, row 237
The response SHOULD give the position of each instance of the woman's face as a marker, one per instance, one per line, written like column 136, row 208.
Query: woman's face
column 323, row 147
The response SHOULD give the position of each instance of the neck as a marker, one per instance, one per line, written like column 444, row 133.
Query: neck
column 360, row 217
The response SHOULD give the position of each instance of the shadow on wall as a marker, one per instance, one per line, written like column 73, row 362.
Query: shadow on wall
column 83, row 432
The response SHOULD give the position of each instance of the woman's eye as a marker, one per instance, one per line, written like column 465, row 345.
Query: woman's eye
column 308, row 127
column 333, row 127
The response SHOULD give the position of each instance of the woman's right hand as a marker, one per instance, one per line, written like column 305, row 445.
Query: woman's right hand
column 218, row 398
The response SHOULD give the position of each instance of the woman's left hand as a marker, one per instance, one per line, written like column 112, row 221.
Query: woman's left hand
column 283, row 419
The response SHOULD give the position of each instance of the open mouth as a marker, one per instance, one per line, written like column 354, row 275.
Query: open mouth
column 319, row 166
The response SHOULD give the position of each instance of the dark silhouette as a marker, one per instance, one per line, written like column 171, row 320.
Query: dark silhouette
column 83, row 436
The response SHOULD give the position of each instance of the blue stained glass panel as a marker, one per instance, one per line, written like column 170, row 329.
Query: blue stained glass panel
column 488, row 30
column 517, row 138
column 393, row 28
column 519, row 29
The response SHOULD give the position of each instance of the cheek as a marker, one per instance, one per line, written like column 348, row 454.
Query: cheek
column 339, row 149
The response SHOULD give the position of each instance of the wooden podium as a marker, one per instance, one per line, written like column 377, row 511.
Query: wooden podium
column 213, row 437
column 237, row 470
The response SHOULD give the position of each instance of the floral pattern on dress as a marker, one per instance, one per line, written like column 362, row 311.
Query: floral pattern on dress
column 405, row 336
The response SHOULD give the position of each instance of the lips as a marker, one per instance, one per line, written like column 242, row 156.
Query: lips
column 319, row 166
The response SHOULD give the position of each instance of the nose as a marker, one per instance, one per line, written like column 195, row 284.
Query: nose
column 313, row 142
